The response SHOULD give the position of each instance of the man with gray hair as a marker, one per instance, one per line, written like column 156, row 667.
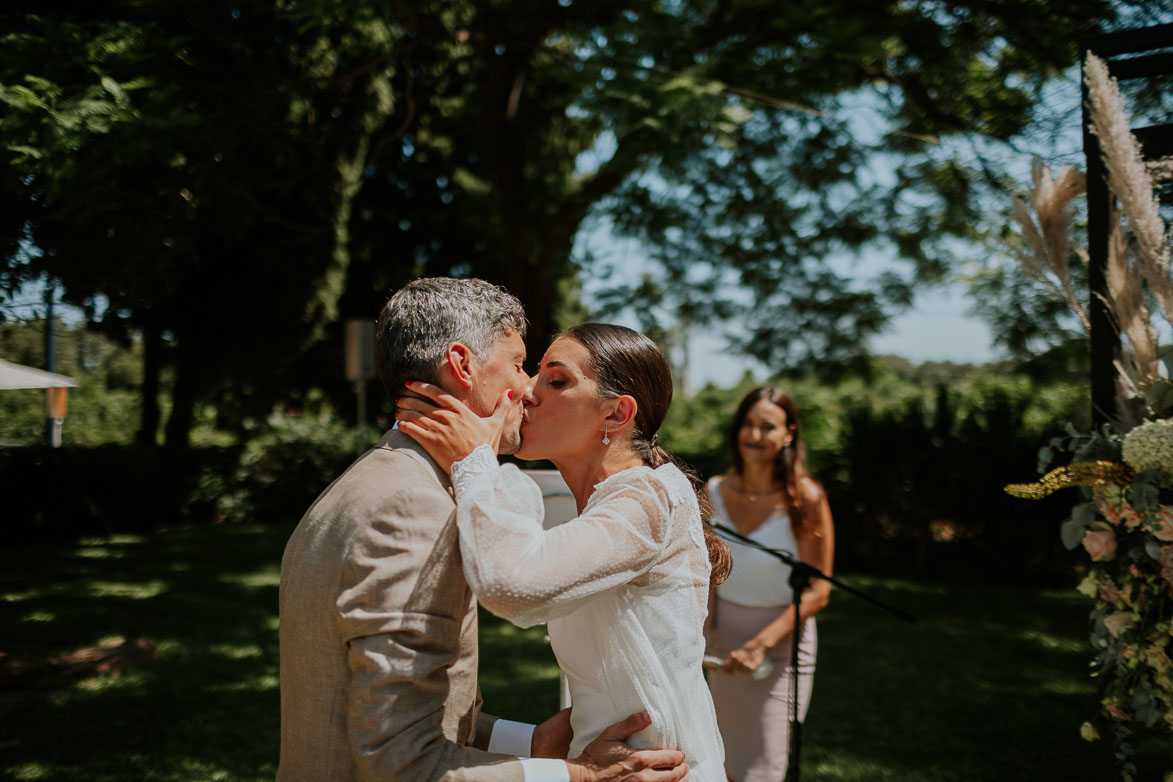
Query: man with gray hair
column 378, row 625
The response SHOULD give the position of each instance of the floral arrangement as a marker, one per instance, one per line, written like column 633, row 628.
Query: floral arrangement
column 1125, row 471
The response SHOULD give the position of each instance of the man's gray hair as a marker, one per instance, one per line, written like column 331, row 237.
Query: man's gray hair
column 427, row 315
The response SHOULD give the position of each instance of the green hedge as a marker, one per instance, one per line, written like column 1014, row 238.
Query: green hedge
column 914, row 472
column 58, row 494
column 919, row 488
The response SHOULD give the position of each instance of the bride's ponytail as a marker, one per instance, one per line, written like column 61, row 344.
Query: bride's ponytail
column 628, row 363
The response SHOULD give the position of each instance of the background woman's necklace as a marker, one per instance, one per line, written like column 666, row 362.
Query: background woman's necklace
column 754, row 496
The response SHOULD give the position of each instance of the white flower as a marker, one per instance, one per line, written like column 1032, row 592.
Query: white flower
column 1150, row 447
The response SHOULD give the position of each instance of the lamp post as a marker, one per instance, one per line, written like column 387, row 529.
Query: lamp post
column 360, row 361
column 55, row 398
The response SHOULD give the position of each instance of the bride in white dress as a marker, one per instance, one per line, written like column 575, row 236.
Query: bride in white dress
column 624, row 586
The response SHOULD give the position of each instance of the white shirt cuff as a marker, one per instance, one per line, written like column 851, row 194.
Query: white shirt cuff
column 545, row 770
column 516, row 738
column 511, row 738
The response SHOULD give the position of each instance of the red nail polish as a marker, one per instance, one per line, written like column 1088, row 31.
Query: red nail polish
column 510, row 394
column 407, row 383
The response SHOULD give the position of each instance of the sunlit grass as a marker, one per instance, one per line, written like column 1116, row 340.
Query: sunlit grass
column 39, row 616
column 29, row 771
column 269, row 577
column 989, row 684
column 98, row 552
column 235, row 651
column 123, row 589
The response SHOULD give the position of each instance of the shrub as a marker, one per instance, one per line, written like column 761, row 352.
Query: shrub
column 286, row 466
column 58, row 494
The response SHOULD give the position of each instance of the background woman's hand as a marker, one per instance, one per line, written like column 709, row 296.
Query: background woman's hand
column 745, row 659
column 445, row 426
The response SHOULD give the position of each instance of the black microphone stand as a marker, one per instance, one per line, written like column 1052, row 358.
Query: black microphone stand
column 801, row 574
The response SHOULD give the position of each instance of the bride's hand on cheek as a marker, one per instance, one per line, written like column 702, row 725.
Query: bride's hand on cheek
column 445, row 426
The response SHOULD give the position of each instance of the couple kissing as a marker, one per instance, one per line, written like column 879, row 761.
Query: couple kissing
column 381, row 578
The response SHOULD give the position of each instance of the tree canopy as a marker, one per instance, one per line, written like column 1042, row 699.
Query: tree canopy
column 229, row 179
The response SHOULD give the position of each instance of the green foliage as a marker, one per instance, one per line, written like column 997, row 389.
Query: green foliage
column 911, row 465
column 287, row 464
column 59, row 494
column 104, row 407
column 775, row 185
column 230, row 180
column 912, row 485
column 1128, row 536
column 192, row 168
column 96, row 417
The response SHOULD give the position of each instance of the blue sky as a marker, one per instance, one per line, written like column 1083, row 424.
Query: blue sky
column 936, row 328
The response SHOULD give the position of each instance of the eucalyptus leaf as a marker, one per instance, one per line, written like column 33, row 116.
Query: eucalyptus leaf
column 1148, row 714
column 1145, row 496
column 1153, row 549
column 1084, row 514
column 1071, row 532
column 1045, row 456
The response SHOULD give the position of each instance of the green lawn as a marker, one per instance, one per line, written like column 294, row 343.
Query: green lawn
column 990, row 684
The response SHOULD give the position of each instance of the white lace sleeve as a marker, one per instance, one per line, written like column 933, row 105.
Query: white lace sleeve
column 530, row 575
column 464, row 472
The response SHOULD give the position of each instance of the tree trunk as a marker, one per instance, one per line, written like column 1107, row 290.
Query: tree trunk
column 152, row 364
column 536, row 235
column 183, row 399
column 505, row 136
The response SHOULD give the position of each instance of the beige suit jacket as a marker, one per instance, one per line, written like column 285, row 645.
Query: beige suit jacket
column 379, row 633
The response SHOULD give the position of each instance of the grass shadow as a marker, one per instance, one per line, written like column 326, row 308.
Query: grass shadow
column 990, row 684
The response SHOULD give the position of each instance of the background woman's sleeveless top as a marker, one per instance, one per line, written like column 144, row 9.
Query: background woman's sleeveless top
column 758, row 578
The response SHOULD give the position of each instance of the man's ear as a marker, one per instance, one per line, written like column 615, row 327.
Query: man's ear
column 458, row 360
column 624, row 409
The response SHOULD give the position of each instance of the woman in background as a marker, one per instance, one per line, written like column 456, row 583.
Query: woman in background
column 770, row 497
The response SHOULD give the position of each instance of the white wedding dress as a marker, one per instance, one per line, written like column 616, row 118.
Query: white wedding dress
column 623, row 587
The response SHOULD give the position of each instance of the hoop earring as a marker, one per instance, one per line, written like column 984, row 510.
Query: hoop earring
column 606, row 438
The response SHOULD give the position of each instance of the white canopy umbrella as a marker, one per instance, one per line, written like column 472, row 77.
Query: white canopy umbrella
column 20, row 376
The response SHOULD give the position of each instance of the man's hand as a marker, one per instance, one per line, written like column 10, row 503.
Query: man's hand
column 551, row 738
column 608, row 759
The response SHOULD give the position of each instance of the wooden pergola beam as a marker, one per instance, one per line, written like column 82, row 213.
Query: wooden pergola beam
column 1156, row 142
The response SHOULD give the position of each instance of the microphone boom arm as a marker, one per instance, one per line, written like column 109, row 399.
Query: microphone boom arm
column 810, row 570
